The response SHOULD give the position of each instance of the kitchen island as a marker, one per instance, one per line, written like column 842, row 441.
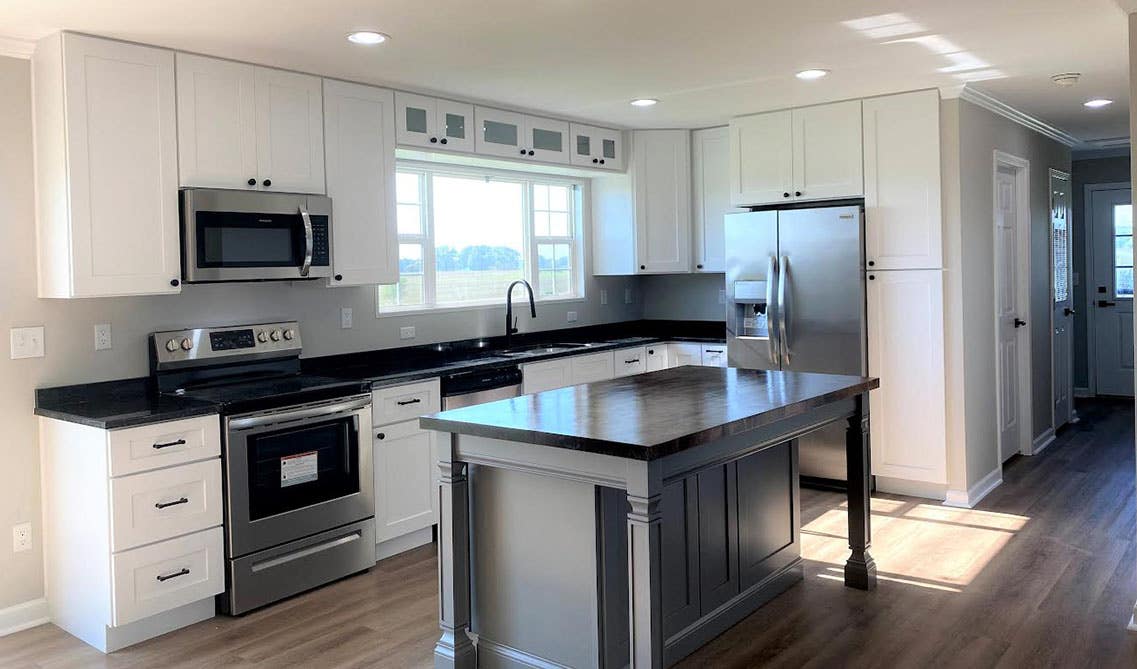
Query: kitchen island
column 628, row 522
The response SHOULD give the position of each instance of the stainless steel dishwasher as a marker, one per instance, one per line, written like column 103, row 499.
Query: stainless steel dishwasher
column 478, row 386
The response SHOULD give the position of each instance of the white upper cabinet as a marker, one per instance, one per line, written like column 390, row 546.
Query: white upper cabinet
column 500, row 133
column 661, row 178
column 243, row 126
column 810, row 153
column 106, row 168
column 434, row 123
column 827, row 151
column 596, row 147
column 710, row 196
column 359, row 140
column 903, row 228
column 547, row 139
column 906, row 352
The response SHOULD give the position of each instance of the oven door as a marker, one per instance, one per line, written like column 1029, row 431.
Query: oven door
column 293, row 472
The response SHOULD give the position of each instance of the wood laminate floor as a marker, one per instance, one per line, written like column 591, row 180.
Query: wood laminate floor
column 1042, row 574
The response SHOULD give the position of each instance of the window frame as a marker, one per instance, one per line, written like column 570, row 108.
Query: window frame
column 576, row 240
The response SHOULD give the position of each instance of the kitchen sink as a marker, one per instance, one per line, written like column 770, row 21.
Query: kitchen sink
column 541, row 349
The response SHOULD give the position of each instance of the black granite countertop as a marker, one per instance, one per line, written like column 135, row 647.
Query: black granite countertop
column 652, row 415
column 115, row 404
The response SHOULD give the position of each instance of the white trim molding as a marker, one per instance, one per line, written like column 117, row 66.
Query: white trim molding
column 967, row 499
column 16, row 48
column 1003, row 109
column 1041, row 442
column 24, row 616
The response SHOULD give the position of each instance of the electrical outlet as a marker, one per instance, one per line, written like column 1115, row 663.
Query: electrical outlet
column 27, row 342
column 407, row 332
column 570, row 316
column 21, row 537
column 603, row 296
column 722, row 297
column 627, row 296
column 345, row 318
column 103, row 337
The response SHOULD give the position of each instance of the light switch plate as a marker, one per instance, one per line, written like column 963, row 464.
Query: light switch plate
column 603, row 296
column 407, row 332
column 345, row 318
column 21, row 537
column 103, row 337
column 570, row 316
column 27, row 342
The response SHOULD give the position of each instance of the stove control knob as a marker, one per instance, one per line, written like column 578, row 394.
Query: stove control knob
column 274, row 335
column 289, row 334
column 186, row 344
column 172, row 345
column 262, row 336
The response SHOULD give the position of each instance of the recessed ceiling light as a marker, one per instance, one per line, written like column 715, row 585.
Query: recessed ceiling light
column 644, row 102
column 810, row 75
column 367, row 37
column 1066, row 78
column 1100, row 102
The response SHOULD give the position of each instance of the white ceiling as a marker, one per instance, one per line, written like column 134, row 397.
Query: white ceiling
column 706, row 60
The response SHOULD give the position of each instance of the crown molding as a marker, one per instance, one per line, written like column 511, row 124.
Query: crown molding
column 16, row 48
column 1003, row 109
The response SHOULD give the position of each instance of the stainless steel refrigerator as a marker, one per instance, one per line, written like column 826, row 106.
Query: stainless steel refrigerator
column 795, row 287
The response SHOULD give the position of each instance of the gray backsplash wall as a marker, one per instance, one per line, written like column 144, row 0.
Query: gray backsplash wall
column 683, row 297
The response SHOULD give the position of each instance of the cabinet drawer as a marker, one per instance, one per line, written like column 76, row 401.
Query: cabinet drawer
column 714, row 355
column 399, row 403
column 164, row 576
column 166, row 503
column 631, row 361
column 139, row 449
column 592, row 367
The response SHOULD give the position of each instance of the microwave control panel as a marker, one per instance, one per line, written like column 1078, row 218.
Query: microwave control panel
column 321, row 244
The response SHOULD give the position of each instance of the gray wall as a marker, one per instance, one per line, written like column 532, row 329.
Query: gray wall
column 71, row 357
column 1083, row 172
column 683, row 296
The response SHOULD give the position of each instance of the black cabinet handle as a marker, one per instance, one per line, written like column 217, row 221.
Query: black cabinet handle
column 179, row 442
column 797, row 193
column 872, row 263
column 872, row 277
column 182, row 572
column 601, row 161
column 164, row 505
column 1068, row 311
column 433, row 140
column 1019, row 323
column 406, row 402
column 530, row 151
column 698, row 267
column 252, row 182
column 1106, row 303
column 595, row 160
column 442, row 141
column 711, row 350
column 643, row 266
column 632, row 361
column 266, row 183
column 175, row 283
column 523, row 152
column 785, row 194
column 380, row 436
column 339, row 277
column 651, row 351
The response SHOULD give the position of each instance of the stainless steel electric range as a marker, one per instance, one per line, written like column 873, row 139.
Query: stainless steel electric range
column 299, row 491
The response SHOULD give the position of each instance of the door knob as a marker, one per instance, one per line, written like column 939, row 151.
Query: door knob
column 1068, row 311
column 1106, row 303
column 1019, row 322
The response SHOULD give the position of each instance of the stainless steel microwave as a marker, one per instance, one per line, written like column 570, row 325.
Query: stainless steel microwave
column 230, row 235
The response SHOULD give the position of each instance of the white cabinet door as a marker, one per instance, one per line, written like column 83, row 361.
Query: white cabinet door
column 592, row 367
column 547, row 139
column 405, row 499
column 761, row 159
column 657, row 358
column 713, row 355
column 416, row 120
column 500, row 133
column 661, row 179
column 827, row 157
column 710, row 169
column 115, row 115
column 596, row 147
column 454, row 123
column 630, row 361
column 538, row 377
column 289, row 131
column 359, row 138
column 903, row 226
column 906, row 352
column 680, row 354
column 217, row 145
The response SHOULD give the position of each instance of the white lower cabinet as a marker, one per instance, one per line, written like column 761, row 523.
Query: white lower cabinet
column 630, row 361
column 713, row 355
column 165, row 503
column 657, row 357
column 592, row 367
column 680, row 354
column 548, row 375
column 166, row 575
column 406, row 458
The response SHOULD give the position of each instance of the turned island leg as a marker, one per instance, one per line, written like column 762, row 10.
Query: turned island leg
column 645, row 570
column 860, row 570
column 454, row 649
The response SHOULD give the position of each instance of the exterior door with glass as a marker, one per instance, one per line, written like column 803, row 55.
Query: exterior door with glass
column 1063, row 318
column 1111, row 292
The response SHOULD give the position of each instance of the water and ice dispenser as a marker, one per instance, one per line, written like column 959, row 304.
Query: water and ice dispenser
column 752, row 310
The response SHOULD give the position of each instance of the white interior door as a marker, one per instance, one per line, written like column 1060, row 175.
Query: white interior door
column 1063, row 318
column 1009, row 324
column 1111, row 292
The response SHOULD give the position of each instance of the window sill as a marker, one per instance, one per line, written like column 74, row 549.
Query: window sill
column 480, row 306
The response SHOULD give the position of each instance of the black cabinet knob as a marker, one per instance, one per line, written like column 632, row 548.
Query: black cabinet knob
column 797, row 193
column 643, row 266
column 651, row 351
column 530, row 152
column 872, row 278
column 872, row 263
column 785, row 194
column 339, row 277
column 698, row 267
column 252, row 182
column 175, row 283
column 1019, row 323
column 442, row 141
column 380, row 435
column 595, row 160
column 433, row 140
column 601, row 161
column 523, row 152
column 267, row 183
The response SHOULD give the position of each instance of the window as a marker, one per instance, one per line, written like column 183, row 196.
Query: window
column 1123, row 250
column 1060, row 238
column 465, row 235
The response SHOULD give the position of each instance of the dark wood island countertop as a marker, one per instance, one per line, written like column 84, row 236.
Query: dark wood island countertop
column 653, row 415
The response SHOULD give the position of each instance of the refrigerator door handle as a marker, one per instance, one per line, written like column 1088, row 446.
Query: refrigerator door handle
column 783, row 308
column 771, row 279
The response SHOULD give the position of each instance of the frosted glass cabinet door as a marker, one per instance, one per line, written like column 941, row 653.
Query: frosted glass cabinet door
column 547, row 139
column 500, row 133
column 415, row 120
column 454, row 123
column 596, row 147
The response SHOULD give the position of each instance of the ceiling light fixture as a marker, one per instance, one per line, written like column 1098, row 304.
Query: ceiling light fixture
column 367, row 37
column 644, row 102
column 810, row 75
column 1097, row 104
column 1066, row 79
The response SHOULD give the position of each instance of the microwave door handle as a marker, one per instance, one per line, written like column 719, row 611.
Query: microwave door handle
column 783, row 309
column 307, row 241
column 771, row 279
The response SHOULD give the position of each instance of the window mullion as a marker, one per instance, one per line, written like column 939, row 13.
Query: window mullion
column 532, row 272
column 428, row 269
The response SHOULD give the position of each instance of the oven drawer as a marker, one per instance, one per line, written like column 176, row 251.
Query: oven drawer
column 166, row 503
column 164, row 576
column 139, row 449
column 395, row 404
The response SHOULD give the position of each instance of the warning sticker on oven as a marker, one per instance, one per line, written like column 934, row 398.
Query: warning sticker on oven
column 297, row 469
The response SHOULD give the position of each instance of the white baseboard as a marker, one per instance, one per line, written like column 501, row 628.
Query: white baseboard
column 1132, row 626
column 1041, row 442
column 499, row 655
column 967, row 499
column 24, row 616
column 1083, row 393
column 909, row 488
column 404, row 543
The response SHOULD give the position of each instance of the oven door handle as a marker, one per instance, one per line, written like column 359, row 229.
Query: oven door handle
column 308, row 413
column 307, row 241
